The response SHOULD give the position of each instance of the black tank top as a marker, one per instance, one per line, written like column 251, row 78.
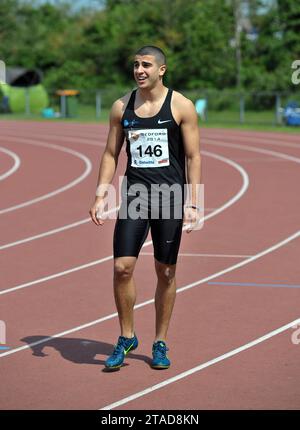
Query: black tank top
column 154, row 146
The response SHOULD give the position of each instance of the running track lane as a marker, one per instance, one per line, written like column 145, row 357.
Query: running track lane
column 211, row 237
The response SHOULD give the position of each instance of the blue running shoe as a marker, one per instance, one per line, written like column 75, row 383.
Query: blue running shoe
column 159, row 353
column 122, row 348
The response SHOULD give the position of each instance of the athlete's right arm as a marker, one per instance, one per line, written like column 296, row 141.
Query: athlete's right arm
column 109, row 160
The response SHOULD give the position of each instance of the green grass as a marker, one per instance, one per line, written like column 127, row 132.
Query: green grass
column 262, row 117
column 253, row 120
column 85, row 113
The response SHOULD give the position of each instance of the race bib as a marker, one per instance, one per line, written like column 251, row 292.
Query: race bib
column 149, row 147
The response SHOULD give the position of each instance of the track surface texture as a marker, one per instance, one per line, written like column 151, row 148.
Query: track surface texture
column 233, row 338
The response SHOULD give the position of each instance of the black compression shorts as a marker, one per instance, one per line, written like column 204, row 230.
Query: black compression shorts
column 130, row 234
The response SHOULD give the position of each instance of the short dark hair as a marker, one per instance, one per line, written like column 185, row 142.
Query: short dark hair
column 155, row 51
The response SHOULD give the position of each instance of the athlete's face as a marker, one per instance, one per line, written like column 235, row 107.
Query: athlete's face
column 147, row 72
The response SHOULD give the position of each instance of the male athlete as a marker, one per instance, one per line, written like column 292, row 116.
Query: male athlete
column 162, row 144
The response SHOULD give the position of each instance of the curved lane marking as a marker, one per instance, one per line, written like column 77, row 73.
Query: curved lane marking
column 236, row 266
column 225, row 206
column 76, row 181
column 17, row 163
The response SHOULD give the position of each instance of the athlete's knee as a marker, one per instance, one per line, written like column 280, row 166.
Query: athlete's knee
column 123, row 269
column 165, row 273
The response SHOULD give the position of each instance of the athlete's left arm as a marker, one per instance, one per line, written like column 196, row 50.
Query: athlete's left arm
column 191, row 141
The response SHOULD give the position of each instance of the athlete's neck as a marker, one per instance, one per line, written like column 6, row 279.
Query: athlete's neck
column 153, row 94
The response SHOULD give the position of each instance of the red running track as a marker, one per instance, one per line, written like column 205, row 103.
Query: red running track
column 238, row 279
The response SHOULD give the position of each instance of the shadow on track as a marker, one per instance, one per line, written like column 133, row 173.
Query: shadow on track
column 80, row 351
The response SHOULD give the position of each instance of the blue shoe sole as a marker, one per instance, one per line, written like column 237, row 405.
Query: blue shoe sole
column 160, row 366
column 112, row 369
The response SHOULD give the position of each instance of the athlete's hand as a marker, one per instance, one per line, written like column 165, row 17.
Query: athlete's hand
column 97, row 210
column 191, row 218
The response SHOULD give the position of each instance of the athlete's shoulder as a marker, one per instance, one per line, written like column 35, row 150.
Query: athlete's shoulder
column 119, row 106
column 183, row 109
column 181, row 102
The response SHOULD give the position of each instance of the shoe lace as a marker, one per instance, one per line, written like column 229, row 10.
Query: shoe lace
column 160, row 349
column 120, row 346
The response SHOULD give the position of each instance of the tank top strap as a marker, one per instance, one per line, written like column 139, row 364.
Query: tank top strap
column 169, row 97
column 130, row 104
column 166, row 107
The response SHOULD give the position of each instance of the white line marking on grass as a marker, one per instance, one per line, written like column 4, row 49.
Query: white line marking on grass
column 16, row 165
column 201, row 366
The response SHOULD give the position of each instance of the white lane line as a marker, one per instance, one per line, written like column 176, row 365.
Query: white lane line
column 186, row 254
column 50, row 232
column 16, row 165
column 88, row 168
column 241, row 264
column 76, row 223
column 57, row 275
column 247, row 261
column 226, row 205
column 179, row 290
column 87, row 138
column 201, row 366
column 65, row 139
column 262, row 141
column 45, row 234
column 254, row 149
column 78, row 328
column 58, row 229
column 259, row 160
